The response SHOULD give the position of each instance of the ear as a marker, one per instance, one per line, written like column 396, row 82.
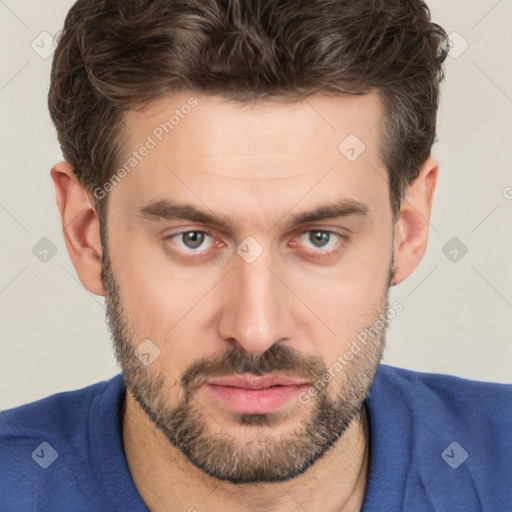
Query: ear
column 80, row 226
column 412, row 225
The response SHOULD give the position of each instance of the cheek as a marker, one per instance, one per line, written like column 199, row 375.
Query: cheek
column 153, row 284
column 345, row 298
column 356, row 280
column 179, row 304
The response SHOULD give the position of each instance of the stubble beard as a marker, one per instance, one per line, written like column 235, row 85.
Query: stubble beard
column 267, row 457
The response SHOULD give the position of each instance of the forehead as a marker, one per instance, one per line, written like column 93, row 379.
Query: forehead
column 211, row 128
column 258, row 153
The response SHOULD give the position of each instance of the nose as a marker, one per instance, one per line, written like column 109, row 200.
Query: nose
column 257, row 307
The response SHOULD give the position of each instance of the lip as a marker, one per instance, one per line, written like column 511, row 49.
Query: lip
column 255, row 394
column 256, row 382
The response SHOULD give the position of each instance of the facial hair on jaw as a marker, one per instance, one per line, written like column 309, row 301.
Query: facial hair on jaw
column 267, row 457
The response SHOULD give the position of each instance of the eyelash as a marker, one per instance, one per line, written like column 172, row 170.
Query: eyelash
column 314, row 255
column 311, row 254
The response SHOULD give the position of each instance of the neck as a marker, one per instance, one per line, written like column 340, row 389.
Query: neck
column 163, row 475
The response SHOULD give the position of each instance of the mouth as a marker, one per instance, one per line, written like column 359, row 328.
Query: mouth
column 255, row 394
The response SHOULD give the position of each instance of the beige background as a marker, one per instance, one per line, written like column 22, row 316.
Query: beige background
column 456, row 318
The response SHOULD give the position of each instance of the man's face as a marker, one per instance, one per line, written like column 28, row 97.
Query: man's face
column 259, row 288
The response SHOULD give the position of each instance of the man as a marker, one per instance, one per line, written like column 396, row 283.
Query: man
column 243, row 182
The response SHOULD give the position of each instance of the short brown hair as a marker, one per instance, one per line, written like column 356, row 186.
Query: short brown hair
column 115, row 55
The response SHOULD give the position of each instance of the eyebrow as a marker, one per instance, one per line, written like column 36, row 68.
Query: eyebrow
column 165, row 209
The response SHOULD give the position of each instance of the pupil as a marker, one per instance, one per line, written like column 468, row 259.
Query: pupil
column 193, row 239
column 319, row 238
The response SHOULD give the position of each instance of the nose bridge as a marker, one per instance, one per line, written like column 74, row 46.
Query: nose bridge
column 256, row 313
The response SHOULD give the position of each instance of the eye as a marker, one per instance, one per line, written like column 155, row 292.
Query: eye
column 190, row 241
column 320, row 239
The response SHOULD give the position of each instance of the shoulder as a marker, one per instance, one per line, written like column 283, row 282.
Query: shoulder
column 55, row 414
column 46, row 453
column 451, row 396
column 445, row 388
column 446, row 439
column 448, row 403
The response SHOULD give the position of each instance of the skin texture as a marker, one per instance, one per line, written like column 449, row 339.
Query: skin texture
column 292, row 311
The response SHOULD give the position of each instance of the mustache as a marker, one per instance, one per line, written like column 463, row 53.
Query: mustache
column 278, row 358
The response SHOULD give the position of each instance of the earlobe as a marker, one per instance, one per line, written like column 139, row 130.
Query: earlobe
column 80, row 226
column 412, row 226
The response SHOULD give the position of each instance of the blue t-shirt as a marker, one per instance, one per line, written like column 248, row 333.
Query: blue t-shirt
column 437, row 443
